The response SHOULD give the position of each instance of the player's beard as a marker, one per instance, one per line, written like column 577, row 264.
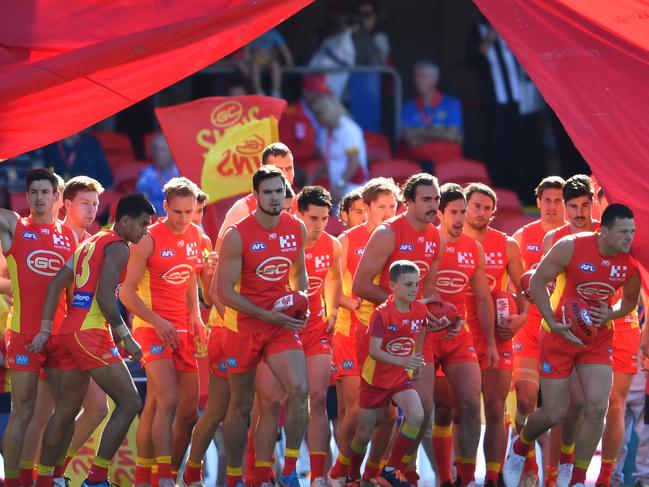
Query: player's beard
column 271, row 211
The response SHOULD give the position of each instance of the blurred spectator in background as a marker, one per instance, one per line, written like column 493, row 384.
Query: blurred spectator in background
column 79, row 155
column 154, row 177
column 238, row 87
column 337, row 48
column 341, row 147
column 372, row 46
column 14, row 170
column 432, row 122
column 263, row 55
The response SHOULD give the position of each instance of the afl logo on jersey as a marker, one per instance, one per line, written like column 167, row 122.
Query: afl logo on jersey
column 450, row 281
column 401, row 347
column 30, row 235
column 406, row 247
column 178, row 274
column 167, row 253
column 533, row 248
column 586, row 267
column 45, row 262
column 273, row 268
column 257, row 246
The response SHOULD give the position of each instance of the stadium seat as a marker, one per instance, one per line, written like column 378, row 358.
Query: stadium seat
column 377, row 146
column 398, row 169
column 113, row 142
column 508, row 199
column 462, row 171
column 126, row 174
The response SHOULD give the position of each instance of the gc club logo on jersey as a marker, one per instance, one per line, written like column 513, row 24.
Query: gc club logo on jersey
column 406, row 247
column 595, row 290
column 274, row 268
column 45, row 262
column 587, row 267
column 287, row 243
column 400, row 347
column 178, row 274
column 82, row 300
column 450, row 281
column 257, row 246
column 423, row 268
column 27, row 235
column 61, row 241
column 166, row 253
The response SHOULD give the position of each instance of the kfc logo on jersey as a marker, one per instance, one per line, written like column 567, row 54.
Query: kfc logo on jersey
column 30, row 235
column 322, row 262
column 273, row 268
column 586, row 267
column 61, row 241
column 178, row 274
column 533, row 248
column 493, row 258
column 465, row 258
column 401, row 347
column 45, row 262
column 287, row 243
column 257, row 246
column 450, row 281
column 595, row 290
column 618, row 272
column 167, row 253
column 406, row 247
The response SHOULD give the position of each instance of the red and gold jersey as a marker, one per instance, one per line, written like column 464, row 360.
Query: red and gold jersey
column 591, row 276
column 398, row 332
column 422, row 248
column 532, row 236
column 458, row 264
column 163, row 286
column 357, row 239
column 267, row 255
column 37, row 253
column 84, row 312
column 566, row 230
column 318, row 260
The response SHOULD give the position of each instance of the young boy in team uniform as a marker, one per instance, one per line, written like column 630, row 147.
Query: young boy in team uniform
column 387, row 376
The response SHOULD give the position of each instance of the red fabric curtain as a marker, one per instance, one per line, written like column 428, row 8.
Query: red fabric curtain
column 590, row 60
column 65, row 65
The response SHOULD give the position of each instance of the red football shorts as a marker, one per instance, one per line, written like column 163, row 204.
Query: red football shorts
column 244, row 349
column 559, row 356
column 362, row 344
column 372, row 397
column 345, row 354
column 19, row 358
column 504, row 352
column 626, row 343
column 526, row 340
column 154, row 349
column 87, row 350
column 455, row 351
column 216, row 353
column 315, row 339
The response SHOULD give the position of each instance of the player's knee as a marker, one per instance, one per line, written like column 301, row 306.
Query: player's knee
column 615, row 409
column 299, row 392
column 24, row 414
column 241, row 402
column 131, row 405
column 596, row 408
column 364, row 433
column 444, row 416
column 318, row 399
column 98, row 411
column 555, row 414
column 415, row 417
column 525, row 406
column 470, row 409
column 167, row 400
column 494, row 411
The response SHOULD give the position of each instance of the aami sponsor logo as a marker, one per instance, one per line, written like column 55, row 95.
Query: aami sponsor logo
column 82, row 300
column 178, row 274
column 401, row 347
column 30, row 235
column 273, row 268
column 45, row 262
column 595, row 290
column 450, row 281
column 587, row 267
column 167, row 253
column 257, row 246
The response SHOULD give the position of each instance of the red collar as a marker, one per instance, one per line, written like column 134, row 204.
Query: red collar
column 437, row 97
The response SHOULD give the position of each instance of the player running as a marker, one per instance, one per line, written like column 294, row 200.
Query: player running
column 86, row 346
column 590, row 266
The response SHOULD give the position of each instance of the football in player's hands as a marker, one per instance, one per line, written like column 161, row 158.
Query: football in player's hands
column 526, row 280
column 445, row 314
column 576, row 313
column 296, row 304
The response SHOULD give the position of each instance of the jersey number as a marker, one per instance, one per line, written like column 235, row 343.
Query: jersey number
column 81, row 279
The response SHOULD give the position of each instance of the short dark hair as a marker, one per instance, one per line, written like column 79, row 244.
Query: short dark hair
column 289, row 193
column 400, row 267
column 551, row 182
column 133, row 205
column 276, row 149
column 41, row 174
column 482, row 189
column 576, row 186
column 600, row 193
column 201, row 196
column 449, row 192
column 81, row 183
column 419, row 179
column 313, row 195
column 377, row 186
column 264, row 173
column 348, row 200
column 613, row 212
